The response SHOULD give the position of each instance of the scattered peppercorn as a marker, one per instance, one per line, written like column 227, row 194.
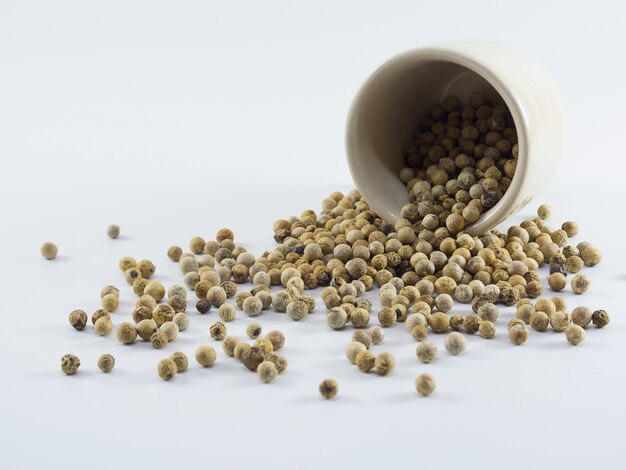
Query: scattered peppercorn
column 49, row 250
column 574, row 334
column 329, row 388
column 78, row 319
column 106, row 362
column 385, row 363
column 217, row 331
column 425, row 384
column 600, row 318
column 70, row 364
column 181, row 361
column 267, row 371
column 113, row 231
column 455, row 343
column 205, row 355
column 166, row 368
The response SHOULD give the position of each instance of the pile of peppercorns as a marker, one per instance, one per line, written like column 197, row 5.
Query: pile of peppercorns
column 460, row 165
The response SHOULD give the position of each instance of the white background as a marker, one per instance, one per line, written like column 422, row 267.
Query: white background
column 174, row 119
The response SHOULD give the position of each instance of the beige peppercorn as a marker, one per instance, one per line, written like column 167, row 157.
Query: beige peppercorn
column 217, row 331
column 166, row 368
column 267, row 371
column 229, row 344
column 277, row 338
column 487, row 329
column 385, row 363
column 78, row 319
column 581, row 316
column 159, row 340
column 103, row 326
column 518, row 334
column 49, row 250
column 70, row 364
column 426, row 352
column 205, row 355
column 365, row 361
column 425, row 384
column 181, row 361
column 126, row 333
column 328, row 388
column 574, row 334
column 106, row 362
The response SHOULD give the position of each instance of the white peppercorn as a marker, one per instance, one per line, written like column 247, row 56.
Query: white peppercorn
column 267, row 371
column 170, row 329
column 297, row 309
column 328, row 388
column 455, row 343
column 217, row 331
column 70, row 364
column 385, row 363
column 377, row 334
column 126, row 333
column 182, row 321
column 181, row 361
column 227, row 312
column 336, row 318
column 106, row 362
column 217, row 296
column 581, row 316
column 166, row 368
column 425, row 384
column 426, row 352
column 353, row 349
column 252, row 306
column 574, row 334
column 49, row 250
column 205, row 355
column 229, row 345
column 146, row 328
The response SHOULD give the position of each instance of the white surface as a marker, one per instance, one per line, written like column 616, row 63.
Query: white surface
column 175, row 120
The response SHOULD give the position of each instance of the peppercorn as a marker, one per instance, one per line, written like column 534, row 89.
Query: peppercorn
column 439, row 322
column 126, row 333
column 353, row 349
column 365, row 360
column 132, row 275
column 385, row 363
column 425, row 384
column 49, row 251
column 363, row 337
column 188, row 264
column 70, row 364
column 266, row 345
column 336, row 318
column 487, row 329
column 296, row 309
column 387, row 317
column 78, row 319
column 252, row 357
column 139, row 286
column 488, row 312
column 205, row 355
column 591, row 256
column 539, row 320
column 156, row 290
column 557, row 281
column 518, row 334
column 110, row 302
column 163, row 313
column 328, row 388
column 166, row 368
column 277, row 338
column 559, row 321
column 253, row 330
column 146, row 328
column 267, row 371
column 279, row 361
column 113, row 231
column 574, row 334
column 217, row 296
column 580, row 284
column 544, row 211
column 524, row 312
column 239, row 350
column 181, row 320
column 106, row 362
column 203, row 306
column 217, row 331
column 146, row 268
column 426, row 352
column 455, row 343
column 170, row 329
column 581, row 316
column 103, row 326
column 471, row 323
column 159, row 340
column 377, row 334
column 181, row 361
column 109, row 290
column 252, row 306
column 174, row 253
column 229, row 345
column 600, row 318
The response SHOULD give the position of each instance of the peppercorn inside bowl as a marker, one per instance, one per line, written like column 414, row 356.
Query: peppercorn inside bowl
column 457, row 137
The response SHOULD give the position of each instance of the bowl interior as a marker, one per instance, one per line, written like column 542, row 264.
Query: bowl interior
column 385, row 116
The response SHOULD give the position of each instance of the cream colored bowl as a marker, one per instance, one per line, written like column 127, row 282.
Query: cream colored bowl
column 392, row 101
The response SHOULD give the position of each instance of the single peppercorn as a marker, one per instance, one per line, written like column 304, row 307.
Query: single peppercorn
column 581, row 316
column 70, row 364
column 252, row 357
column 455, row 343
column 365, row 361
column 600, row 318
column 296, row 309
column 229, row 344
column 126, row 333
column 277, row 338
column 227, row 312
column 113, row 231
column 170, row 329
column 182, row 321
column 518, row 334
column 266, row 345
column 328, row 388
column 487, row 329
column 146, row 328
column 279, row 361
column 205, row 355
column 240, row 349
column 181, row 361
column 426, row 352
column 159, row 340
column 559, row 321
column 156, row 290
column 353, row 349
column 267, row 371
column 377, row 334
column 217, row 331
column 110, row 302
column 203, row 306
column 574, row 334
column 106, row 362
column 252, row 306
column 141, row 313
column 439, row 322
column 580, row 283
column 217, row 296
column 425, row 384
column 544, row 211
column 49, row 250
column 174, row 253
column 103, row 326
column 253, row 330
column 109, row 290
column 385, row 363
column 539, row 321
column 166, row 368
column 78, row 319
